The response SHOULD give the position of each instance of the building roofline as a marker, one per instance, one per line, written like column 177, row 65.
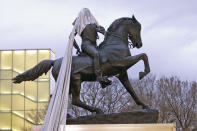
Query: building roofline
column 27, row 49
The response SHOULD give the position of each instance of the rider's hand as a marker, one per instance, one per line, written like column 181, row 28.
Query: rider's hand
column 101, row 29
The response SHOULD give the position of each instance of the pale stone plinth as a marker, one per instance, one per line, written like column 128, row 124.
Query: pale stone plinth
column 119, row 127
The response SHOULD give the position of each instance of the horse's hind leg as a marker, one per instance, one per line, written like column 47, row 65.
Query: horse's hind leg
column 125, row 81
column 76, row 87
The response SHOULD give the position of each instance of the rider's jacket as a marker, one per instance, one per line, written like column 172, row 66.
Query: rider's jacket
column 90, row 33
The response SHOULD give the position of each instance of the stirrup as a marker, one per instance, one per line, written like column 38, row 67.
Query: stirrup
column 104, row 81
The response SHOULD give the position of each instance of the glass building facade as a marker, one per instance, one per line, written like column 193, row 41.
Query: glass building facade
column 20, row 101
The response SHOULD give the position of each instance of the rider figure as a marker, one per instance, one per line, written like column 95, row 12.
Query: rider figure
column 87, row 27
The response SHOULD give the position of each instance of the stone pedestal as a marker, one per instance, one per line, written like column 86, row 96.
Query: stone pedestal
column 142, row 120
column 134, row 117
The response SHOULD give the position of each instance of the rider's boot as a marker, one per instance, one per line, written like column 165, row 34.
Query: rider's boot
column 103, row 80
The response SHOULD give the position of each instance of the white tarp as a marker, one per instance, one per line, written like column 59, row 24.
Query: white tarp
column 57, row 110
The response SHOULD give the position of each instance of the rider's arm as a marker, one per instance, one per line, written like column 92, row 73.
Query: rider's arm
column 76, row 46
column 100, row 29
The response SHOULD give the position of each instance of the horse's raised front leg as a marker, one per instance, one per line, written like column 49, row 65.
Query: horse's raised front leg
column 75, row 90
column 132, row 60
column 144, row 57
column 123, row 77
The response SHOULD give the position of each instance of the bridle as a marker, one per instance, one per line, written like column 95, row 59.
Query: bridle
column 130, row 44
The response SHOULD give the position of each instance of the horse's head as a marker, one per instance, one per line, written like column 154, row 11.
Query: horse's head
column 125, row 28
column 134, row 29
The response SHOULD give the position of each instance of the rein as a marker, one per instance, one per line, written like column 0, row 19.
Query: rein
column 119, row 36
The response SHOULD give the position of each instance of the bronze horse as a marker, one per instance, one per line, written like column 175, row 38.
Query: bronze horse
column 115, row 58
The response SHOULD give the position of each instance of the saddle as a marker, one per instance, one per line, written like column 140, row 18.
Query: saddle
column 82, row 54
column 103, row 84
column 83, row 60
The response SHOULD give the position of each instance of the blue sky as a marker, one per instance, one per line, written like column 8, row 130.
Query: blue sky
column 168, row 28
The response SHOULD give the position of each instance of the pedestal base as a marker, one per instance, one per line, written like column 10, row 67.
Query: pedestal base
column 133, row 117
column 119, row 127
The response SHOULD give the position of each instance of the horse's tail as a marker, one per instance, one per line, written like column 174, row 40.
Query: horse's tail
column 33, row 73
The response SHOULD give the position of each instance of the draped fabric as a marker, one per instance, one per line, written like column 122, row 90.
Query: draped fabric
column 57, row 110
column 84, row 18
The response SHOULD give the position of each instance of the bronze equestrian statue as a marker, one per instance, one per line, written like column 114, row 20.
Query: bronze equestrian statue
column 115, row 59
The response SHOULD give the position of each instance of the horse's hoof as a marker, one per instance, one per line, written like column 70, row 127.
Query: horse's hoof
column 145, row 106
column 105, row 84
column 141, row 75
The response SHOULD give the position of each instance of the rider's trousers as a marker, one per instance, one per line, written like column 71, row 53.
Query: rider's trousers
column 91, row 50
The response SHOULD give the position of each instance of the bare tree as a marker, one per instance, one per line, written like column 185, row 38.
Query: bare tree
column 113, row 98
column 181, row 100
column 36, row 117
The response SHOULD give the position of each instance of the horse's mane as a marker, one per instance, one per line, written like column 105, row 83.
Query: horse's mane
column 117, row 22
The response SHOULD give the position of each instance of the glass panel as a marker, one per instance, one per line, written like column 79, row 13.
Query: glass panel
column 30, row 105
column 18, row 113
column 18, row 89
column 6, row 60
column 31, row 59
column 18, row 61
column 28, row 126
column 6, row 74
column 17, row 102
column 42, row 106
column 5, row 86
column 15, row 74
column 43, row 55
column 31, row 116
column 31, row 90
column 17, row 123
column 43, row 91
column 5, row 102
column 42, row 109
column 5, row 121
